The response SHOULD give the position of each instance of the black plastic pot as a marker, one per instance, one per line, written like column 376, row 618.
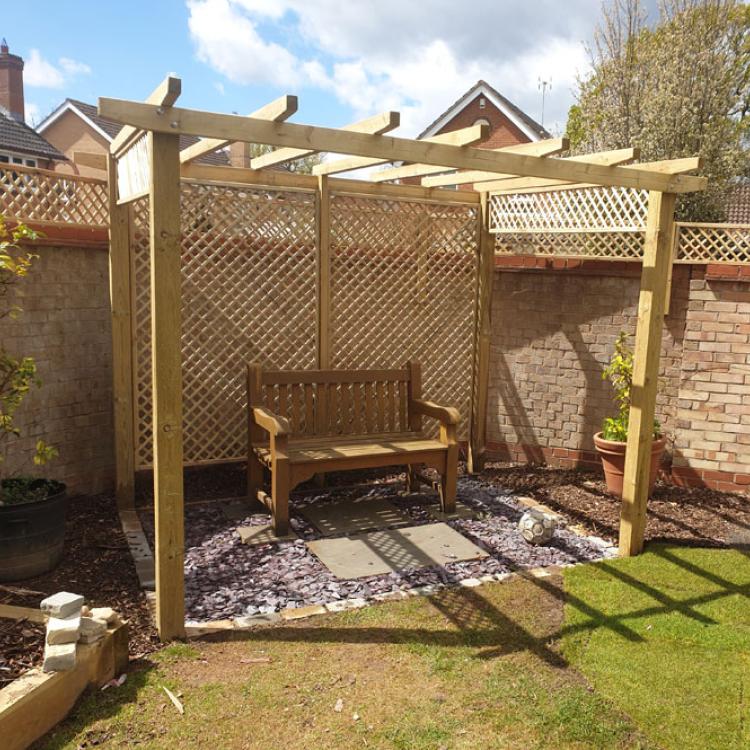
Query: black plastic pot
column 32, row 535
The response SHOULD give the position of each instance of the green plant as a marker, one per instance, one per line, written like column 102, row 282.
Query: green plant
column 17, row 374
column 619, row 372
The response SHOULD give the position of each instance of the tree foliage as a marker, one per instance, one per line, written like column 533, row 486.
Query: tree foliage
column 679, row 87
column 300, row 166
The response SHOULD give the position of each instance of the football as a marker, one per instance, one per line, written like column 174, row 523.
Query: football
column 537, row 527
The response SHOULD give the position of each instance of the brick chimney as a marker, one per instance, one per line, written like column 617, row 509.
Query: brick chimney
column 11, row 82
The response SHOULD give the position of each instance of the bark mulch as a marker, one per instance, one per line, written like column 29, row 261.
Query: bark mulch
column 697, row 517
column 97, row 564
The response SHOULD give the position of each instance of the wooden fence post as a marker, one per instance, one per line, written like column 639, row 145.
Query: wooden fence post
column 122, row 352
column 657, row 261
column 485, row 279
column 323, row 222
column 166, row 355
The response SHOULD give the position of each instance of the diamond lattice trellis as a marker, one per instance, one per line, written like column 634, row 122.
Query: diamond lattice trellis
column 35, row 195
column 590, row 209
column 403, row 286
column 609, row 245
column 249, row 294
column 706, row 243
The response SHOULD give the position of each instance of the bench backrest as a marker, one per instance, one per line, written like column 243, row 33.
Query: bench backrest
column 338, row 402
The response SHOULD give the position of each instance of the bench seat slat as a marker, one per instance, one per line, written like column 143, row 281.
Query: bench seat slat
column 287, row 377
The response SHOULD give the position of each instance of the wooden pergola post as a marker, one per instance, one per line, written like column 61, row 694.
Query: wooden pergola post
column 122, row 351
column 166, row 354
column 657, row 261
column 485, row 279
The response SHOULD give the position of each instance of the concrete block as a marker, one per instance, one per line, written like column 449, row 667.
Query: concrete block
column 59, row 658
column 62, row 604
column 63, row 629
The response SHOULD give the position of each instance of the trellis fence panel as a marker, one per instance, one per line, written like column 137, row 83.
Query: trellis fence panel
column 403, row 286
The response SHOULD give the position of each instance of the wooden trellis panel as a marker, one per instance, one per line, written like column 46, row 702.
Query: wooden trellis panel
column 713, row 243
column 38, row 195
column 404, row 286
column 593, row 209
column 607, row 245
column 249, row 294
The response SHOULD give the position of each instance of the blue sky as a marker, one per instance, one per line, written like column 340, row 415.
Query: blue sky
column 345, row 60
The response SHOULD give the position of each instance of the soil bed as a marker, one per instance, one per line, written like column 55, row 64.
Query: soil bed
column 225, row 578
column 97, row 564
column 698, row 516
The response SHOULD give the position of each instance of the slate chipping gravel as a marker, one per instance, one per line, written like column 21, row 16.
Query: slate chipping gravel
column 225, row 579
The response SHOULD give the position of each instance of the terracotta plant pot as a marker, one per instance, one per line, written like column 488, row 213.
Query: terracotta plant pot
column 613, row 461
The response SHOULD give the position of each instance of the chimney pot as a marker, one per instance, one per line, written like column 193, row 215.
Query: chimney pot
column 11, row 82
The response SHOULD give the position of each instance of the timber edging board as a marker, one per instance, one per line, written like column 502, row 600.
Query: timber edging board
column 37, row 701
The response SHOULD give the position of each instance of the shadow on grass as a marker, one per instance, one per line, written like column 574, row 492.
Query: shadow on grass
column 96, row 706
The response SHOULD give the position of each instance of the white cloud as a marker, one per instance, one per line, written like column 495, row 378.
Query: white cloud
column 390, row 54
column 43, row 74
column 219, row 86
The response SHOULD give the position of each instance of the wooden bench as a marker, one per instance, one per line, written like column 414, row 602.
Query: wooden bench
column 307, row 422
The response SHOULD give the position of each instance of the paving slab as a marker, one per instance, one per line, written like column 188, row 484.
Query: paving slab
column 462, row 511
column 262, row 534
column 381, row 552
column 354, row 516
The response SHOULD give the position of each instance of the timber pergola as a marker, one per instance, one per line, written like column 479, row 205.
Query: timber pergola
column 153, row 128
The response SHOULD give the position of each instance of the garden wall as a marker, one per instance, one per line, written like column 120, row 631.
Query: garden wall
column 66, row 328
column 554, row 326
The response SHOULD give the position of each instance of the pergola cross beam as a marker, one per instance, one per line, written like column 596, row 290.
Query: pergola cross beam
column 236, row 128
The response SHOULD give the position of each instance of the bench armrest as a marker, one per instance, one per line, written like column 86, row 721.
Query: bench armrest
column 446, row 414
column 265, row 418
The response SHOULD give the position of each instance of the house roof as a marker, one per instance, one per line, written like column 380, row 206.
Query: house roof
column 18, row 137
column 109, row 128
column 527, row 125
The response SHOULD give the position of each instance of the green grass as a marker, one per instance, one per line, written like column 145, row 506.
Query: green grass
column 666, row 637
column 469, row 668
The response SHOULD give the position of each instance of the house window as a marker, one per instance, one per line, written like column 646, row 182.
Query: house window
column 482, row 102
column 10, row 158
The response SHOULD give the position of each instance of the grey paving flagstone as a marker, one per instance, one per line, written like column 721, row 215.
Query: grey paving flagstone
column 462, row 511
column 352, row 516
column 261, row 534
column 381, row 552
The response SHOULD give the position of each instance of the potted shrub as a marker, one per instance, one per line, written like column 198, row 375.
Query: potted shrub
column 32, row 509
column 612, row 440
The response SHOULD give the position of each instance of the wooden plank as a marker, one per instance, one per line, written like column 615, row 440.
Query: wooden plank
column 309, row 409
column 293, row 181
column 333, row 410
column 166, row 356
column 391, row 391
column 323, row 224
column 402, row 406
column 11, row 612
column 380, row 392
column 546, row 147
column 485, row 280
column 369, row 406
column 296, row 396
column 414, row 391
column 286, row 377
column 90, row 160
column 276, row 111
column 617, row 156
column 461, row 137
column 657, row 259
column 176, row 120
column 120, row 282
column 380, row 123
column 283, row 410
column 357, row 426
column 518, row 184
column 346, row 408
column 164, row 95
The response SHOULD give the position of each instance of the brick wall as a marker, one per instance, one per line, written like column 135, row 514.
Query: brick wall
column 65, row 326
column 554, row 327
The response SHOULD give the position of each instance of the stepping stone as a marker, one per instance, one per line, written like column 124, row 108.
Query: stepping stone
column 381, row 552
column 354, row 516
column 237, row 510
column 462, row 511
column 59, row 658
column 262, row 534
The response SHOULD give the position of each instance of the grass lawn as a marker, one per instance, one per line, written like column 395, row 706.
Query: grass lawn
column 652, row 653
column 666, row 636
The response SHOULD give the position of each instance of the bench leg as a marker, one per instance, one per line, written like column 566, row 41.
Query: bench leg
column 448, row 480
column 280, row 497
column 254, row 477
column 412, row 483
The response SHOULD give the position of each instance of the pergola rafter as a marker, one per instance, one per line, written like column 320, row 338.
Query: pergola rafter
column 521, row 169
